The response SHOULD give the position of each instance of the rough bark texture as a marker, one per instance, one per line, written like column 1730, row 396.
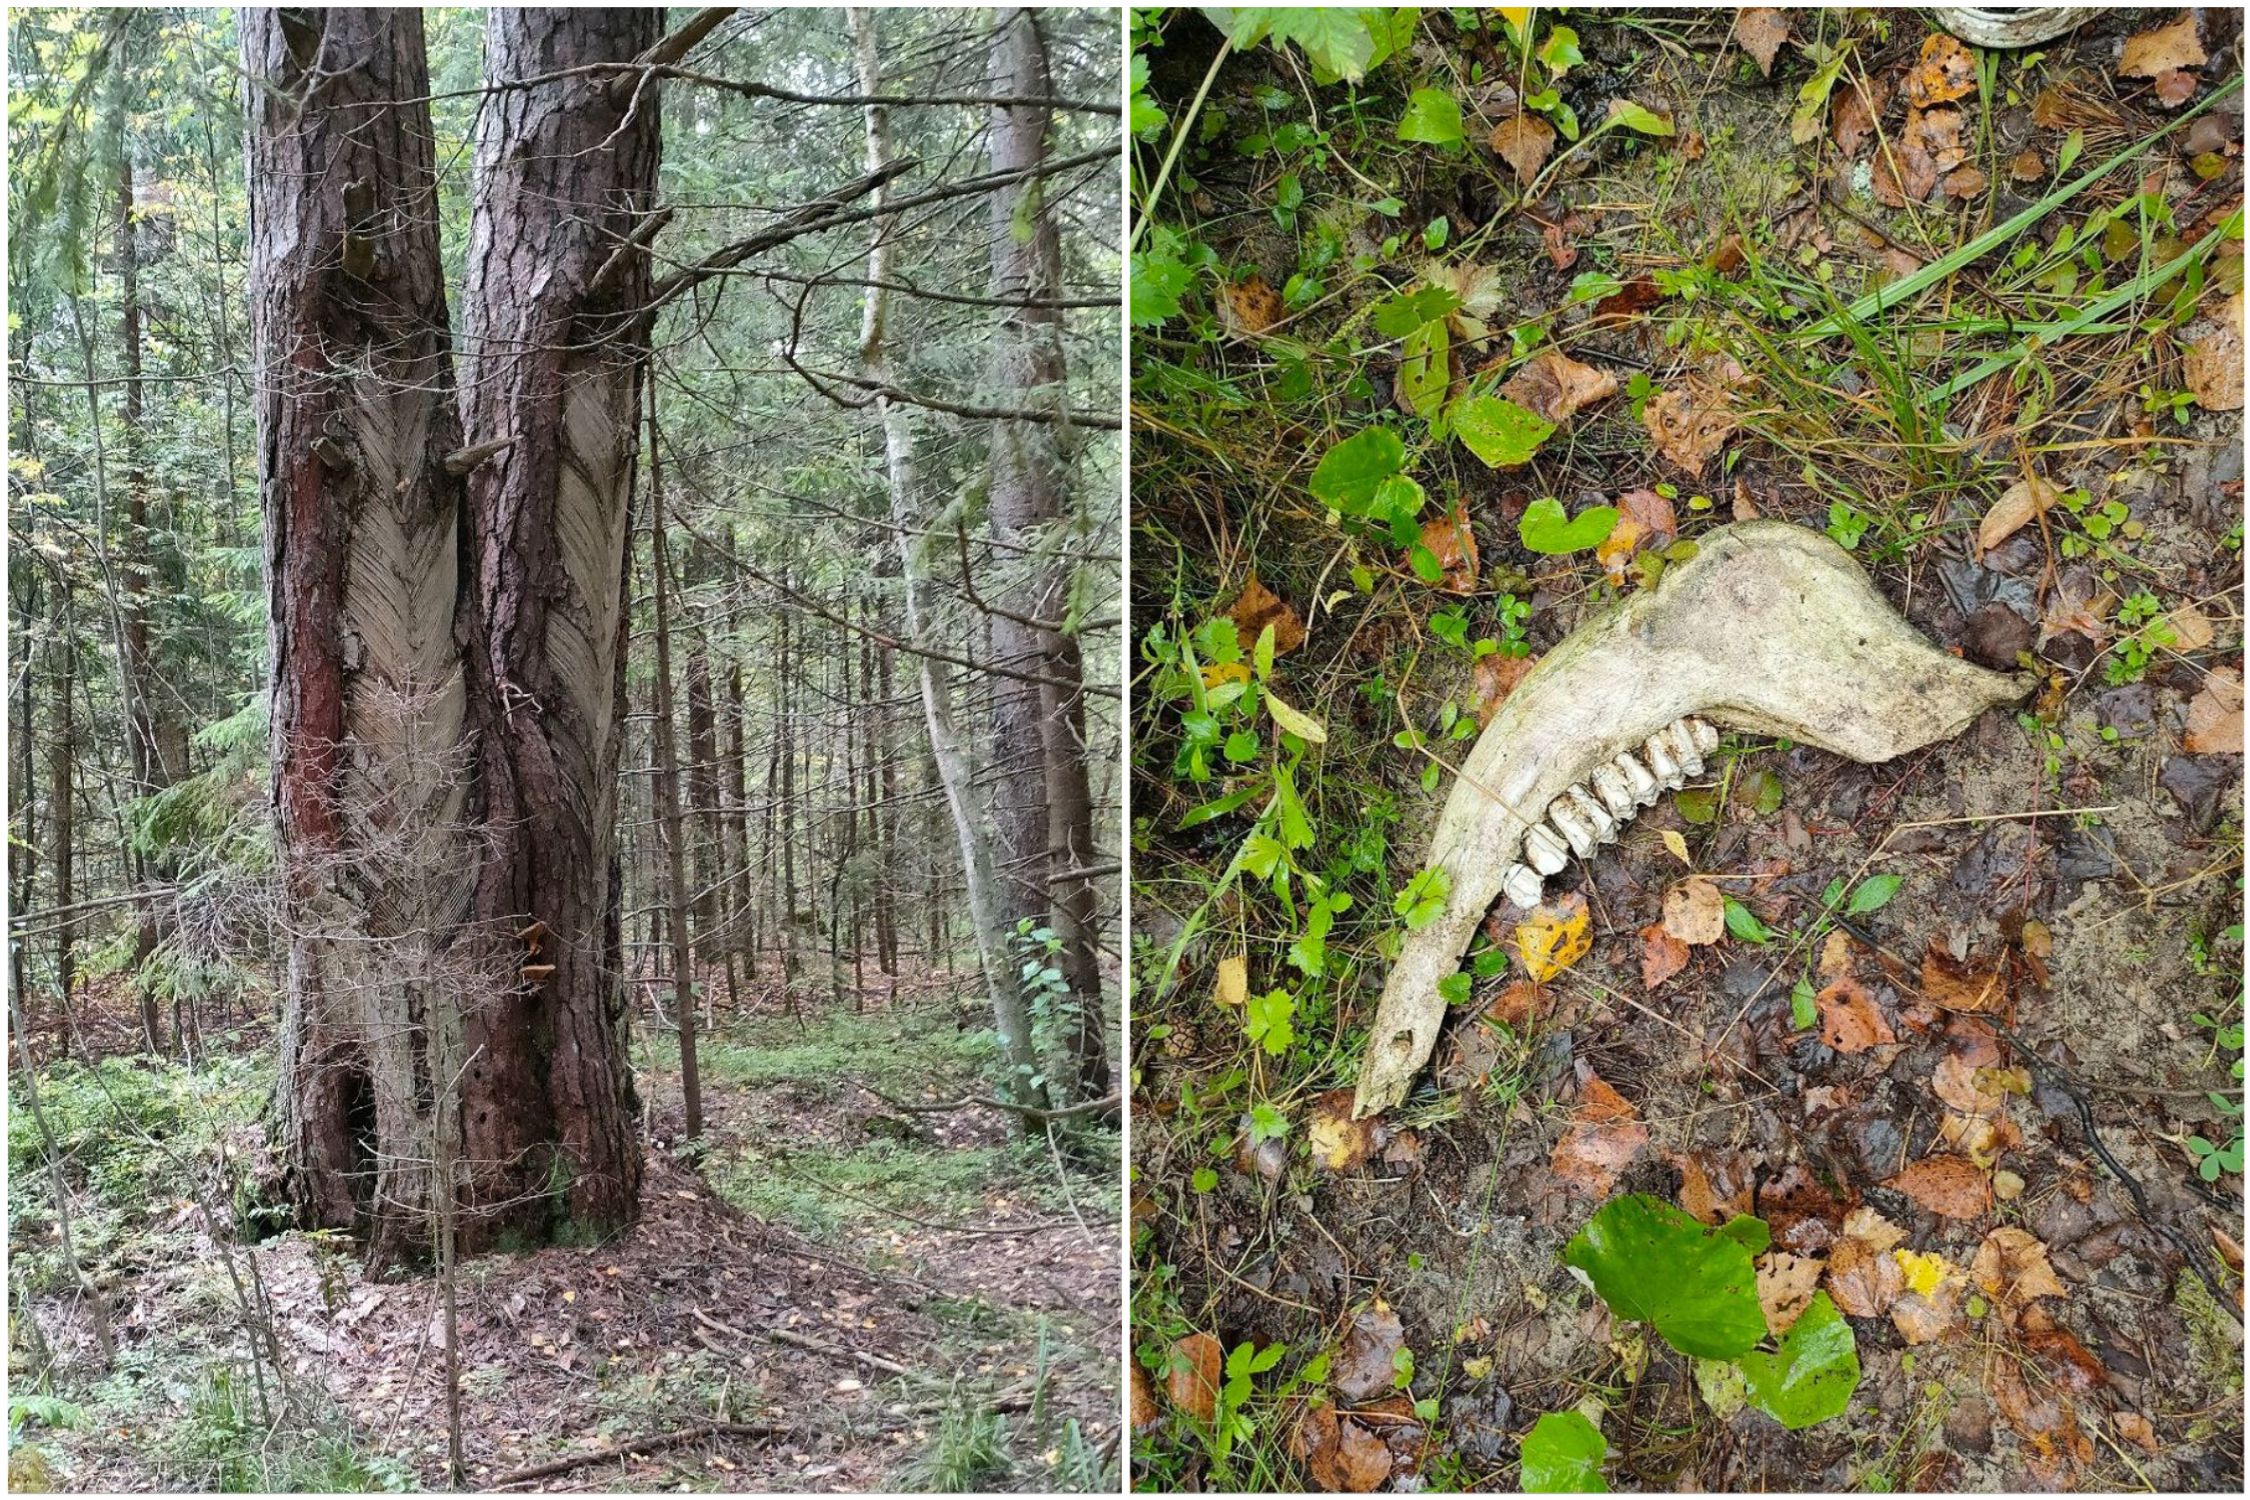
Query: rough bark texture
column 355, row 412
column 1048, row 824
column 986, row 907
column 566, row 172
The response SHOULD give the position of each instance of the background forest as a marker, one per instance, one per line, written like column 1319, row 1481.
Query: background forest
column 839, row 376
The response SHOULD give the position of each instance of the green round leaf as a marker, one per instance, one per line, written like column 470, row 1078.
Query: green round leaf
column 1501, row 433
column 1351, row 472
column 1547, row 527
column 1813, row 1374
column 1562, row 1455
column 1433, row 117
column 1653, row 1263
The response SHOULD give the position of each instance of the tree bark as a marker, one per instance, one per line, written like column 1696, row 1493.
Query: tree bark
column 986, row 909
column 355, row 414
column 1048, row 806
column 566, row 176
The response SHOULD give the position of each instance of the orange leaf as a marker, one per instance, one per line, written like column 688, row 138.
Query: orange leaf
column 1258, row 607
column 1193, row 1377
column 1604, row 1137
column 1662, row 955
column 1947, row 1185
column 1555, row 386
column 1761, row 30
column 1524, row 142
column 1946, row 71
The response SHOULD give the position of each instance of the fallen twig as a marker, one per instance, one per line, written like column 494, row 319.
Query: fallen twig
column 1027, row 1111
column 652, row 1443
column 801, row 1341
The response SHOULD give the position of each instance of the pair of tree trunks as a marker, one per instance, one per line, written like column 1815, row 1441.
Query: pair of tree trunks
column 447, row 616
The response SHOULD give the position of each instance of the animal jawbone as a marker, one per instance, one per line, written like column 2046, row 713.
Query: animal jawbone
column 1769, row 629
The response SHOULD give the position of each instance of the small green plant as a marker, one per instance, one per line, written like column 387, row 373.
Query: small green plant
column 1563, row 1455
column 2147, row 631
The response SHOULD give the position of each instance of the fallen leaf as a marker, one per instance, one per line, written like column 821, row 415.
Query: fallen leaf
column 1974, row 1090
column 1761, row 30
column 1479, row 289
column 1785, row 1285
column 1863, row 1278
column 1555, row 386
column 1662, row 956
column 1364, row 1366
column 1363, row 1461
column 1947, row 1185
column 1964, row 182
column 1958, row 985
column 2054, row 1447
column 2176, row 86
column 1554, row 936
column 1695, row 912
column 1850, row 1020
column 1604, row 1138
column 2012, row 1268
column 1520, row 1003
column 1313, row 1438
column 2213, row 363
column 1233, row 987
column 1936, row 132
column 2013, row 511
column 2214, row 715
column 2162, row 50
column 1561, row 251
column 1145, row 1412
column 1802, row 1213
column 1852, row 117
column 1689, row 425
column 1494, row 679
column 1628, row 302
column 1714, row 1186
column 1339, row 1142
column 1980, row 1138
column 1455, row 546
column 1256, row 608
column 2135, row 1429
column 1945, row 71
column 1252, row 306
column 2191, row 627
column 1192, row 1380
column 1924, row 1319
column 1524, row 142
column 2027, row 166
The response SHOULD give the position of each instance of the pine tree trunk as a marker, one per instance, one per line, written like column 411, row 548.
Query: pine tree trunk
column 987, row 913
column 62, row 763
column 556, row 345
column 355, row 415
column 670, row 823
column 1029, row 470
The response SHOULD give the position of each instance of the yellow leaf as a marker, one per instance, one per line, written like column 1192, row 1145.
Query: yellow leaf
column 1234, row 980
column 1223, row 672
column 1554, row 937
column 1923, row 1272
column 1678, row 846
column 1303, row 726
column 1516, row 16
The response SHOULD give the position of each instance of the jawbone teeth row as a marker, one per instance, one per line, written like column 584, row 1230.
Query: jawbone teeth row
column 1593, row 813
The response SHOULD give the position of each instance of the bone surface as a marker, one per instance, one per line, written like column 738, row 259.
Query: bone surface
column 1770, row 629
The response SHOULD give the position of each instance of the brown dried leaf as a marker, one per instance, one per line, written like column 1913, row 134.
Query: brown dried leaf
column 1555, row 386
column 2214, row 360
column 1850, row 1020
column 1494, row 678
column 1632, row 299
column 1945, row 71
column 2053, row 1445
column 1802, row 1213
column 1145, row 1412
column 1252, row 306
column 1948, row 1185
column 1785, row 1285
column 1689, row 425
column 1363, row 1367
column 1695, row 912
column 1524, row 142
column 2162, row 50
column 1339, row 1142
column 1854, row 112
column 1964, row 182
column 2013, row 511
column 1362, row 1461
column 1520, row 1003
column 1714, row 1186
column 2011, row 1266
column 1863, row 1278
column 2192, row 627
column 1652, row 512
column 1605, row 1136
column 1761, row 30
column 1973, row 986
column 1193, row 1379
column 1455, row 546
column 1258, row 607
column 2135, row 1429
column 2214, row 716
column 2175, row 87
column 2027, row 166
column 1662, row 956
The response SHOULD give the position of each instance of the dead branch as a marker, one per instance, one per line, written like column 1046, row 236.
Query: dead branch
column 1027, row 1111
column 653, row 1443
column 800, row 1341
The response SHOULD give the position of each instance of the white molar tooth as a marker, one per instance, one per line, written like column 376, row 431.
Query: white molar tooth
column 1597, row 816
column 1705, row 735
column 1662, row 763
column 1543, row 851
column 1637, row 777
column 1617, row 796
column 1682, row 740
column 1564, row 817
column 1522, row 885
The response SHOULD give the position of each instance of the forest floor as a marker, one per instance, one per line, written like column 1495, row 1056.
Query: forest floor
column 875, row 1302
column 2040, row 919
